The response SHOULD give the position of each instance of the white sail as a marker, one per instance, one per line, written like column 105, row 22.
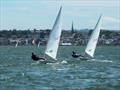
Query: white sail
column 16, row 43
column 33, row 41
column 39, row 44
column 26, row 41
column 91, row 46
column 54, row 38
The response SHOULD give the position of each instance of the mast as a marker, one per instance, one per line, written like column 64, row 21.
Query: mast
column 72, row 29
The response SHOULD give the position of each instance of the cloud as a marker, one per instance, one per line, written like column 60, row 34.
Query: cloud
column 110, row 19
column 24, row 8
column 92, row 3
column 110, row 23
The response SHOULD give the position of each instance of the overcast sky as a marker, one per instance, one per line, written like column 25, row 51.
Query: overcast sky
column 41, row 14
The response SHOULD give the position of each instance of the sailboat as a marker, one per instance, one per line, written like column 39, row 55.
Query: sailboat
column 91, row 46
column 92, row 43
column 33, row 42
column 38, row 43
column 26, row 41
column 16, row 45
column 53, row 40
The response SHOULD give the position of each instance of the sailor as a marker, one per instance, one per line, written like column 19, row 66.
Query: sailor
column 35, row 58
column 75, row 55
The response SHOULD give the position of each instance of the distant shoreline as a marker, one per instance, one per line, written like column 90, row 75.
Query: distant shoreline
column 60, row 46
column 68, row 37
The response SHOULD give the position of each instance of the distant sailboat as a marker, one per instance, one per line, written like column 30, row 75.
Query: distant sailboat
column 33, row 41
column 17, row 43
column 91, row 46
column 54, row 38
column 26, row 41
column 38, row 43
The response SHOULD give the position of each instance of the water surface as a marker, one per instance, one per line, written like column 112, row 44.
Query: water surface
column 19, row 72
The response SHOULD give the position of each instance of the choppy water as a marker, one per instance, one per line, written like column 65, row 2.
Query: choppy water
column 19, row 72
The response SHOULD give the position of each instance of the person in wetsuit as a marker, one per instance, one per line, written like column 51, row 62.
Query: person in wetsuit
column 35, row 58
column 75, row 55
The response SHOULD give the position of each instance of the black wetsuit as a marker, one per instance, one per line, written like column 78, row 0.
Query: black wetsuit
column 76, row 55
column 35, row 58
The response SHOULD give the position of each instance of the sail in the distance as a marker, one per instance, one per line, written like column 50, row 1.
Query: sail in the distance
column 91, row 46
column 54, row 38
column 16, row 43
column 39, row 44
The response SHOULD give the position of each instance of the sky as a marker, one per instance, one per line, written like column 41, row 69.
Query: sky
column 41, row 14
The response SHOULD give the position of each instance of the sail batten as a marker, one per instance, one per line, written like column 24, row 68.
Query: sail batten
column 54, row 38
column 91, row 46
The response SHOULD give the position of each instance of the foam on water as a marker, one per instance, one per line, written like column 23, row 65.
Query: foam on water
column 53, row 63
column 35, row 63
column 64, row 62
column 96, row 60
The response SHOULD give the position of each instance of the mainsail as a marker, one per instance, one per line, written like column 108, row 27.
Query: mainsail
column 39, row 44
column 90, row 49
column 16, row 43
column 54, row 38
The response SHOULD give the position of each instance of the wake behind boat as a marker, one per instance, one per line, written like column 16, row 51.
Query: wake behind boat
column 53, row 41
column 91, row 46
